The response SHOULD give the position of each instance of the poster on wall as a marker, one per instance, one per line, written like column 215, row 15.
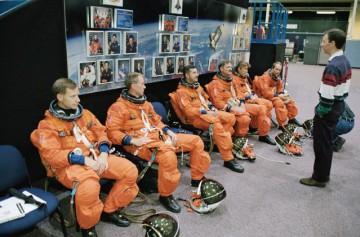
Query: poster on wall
column 87, row 74
column 186, row 43
column 158, row 66
column 181, row 62
column 167, row 22
column 112, row 42
column 176, row 6
column 213, row 63
column 130, row 42
column 175, row 48
column 105, row 71
column 117, row 3
column 123, row 19
column 164, row 43
column 138, row 65
column 182, row 24
column 99, row 17
column 170, row 67
column 191, row 60
column 122, row 67
column 94, row 43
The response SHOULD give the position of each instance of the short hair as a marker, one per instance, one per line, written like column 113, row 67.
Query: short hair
column 243, row 64
column 223, row 63
column 131, row 37
column 61, row 84
column 277, row 62
column 131, row 78
column 106, row 62
column 187, row 69
column 336, row 35
column 114, row 35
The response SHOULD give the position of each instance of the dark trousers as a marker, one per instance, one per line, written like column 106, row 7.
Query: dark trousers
column 324, row 128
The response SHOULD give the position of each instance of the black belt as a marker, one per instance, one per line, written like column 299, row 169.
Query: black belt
column 347, row 119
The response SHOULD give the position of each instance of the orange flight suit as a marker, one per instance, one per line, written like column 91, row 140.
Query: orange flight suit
column 124, row 119
column 55, row 141
column 220, row 92
column 259, row 108
column 265, row 86
column 187, row 105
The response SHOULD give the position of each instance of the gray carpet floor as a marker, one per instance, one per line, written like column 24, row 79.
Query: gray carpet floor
column 267, row 199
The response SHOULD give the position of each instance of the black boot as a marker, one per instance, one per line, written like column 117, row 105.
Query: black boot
column 267, row 139
column 115, row 218
column 234, row 166
column 170, row 203
column 89, row 232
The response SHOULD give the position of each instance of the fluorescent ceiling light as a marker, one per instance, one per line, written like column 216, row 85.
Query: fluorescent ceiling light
column 290, row 12
column 325, row 12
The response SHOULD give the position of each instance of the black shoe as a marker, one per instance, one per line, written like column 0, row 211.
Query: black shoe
column 115, row 218
column 339, row 143
column 170, row 203
column 89, row 232
column 195, row 183
column 267, row 140
column 253, row 131
column 234, row 166
column 294, row 121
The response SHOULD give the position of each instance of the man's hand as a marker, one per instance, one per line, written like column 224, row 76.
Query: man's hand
column 102, row 161
column 140, row 141
column 173, row 136
column 92, row 164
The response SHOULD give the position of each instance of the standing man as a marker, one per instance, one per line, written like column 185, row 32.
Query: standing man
column 133, row 123
column 270, row 86
column 334, row 89
column 74, row 149
column 192, row 106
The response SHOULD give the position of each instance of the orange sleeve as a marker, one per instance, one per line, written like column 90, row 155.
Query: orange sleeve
column 185, row 104
column 115, row 122
column 266, row 90
column 216, row 95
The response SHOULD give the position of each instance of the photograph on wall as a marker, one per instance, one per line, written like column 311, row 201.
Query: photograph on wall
column 100, row 17
column 164, row 43
column 213, row 64
column 242, row 17
column 112, row 40
column 232, row 58
column 181, row 62
column 186, row 43
column 238, row 29
column 158, row 66
column 236, row 42
column 176, row 6
column 167, row 22
column 247, row 30
column 94, row 43
column 130, row 42
column 123, row 19
column 116, row 3
column 138, row 65
column 87, row 74
column 105, row 71
column 175, row 48
column 191, row 60
column 170, row 65
column 240, row 57
column 182, row 23
column 122, row 67
column 246, row 43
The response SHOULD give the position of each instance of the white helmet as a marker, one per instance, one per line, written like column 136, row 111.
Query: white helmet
column 208, row 196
